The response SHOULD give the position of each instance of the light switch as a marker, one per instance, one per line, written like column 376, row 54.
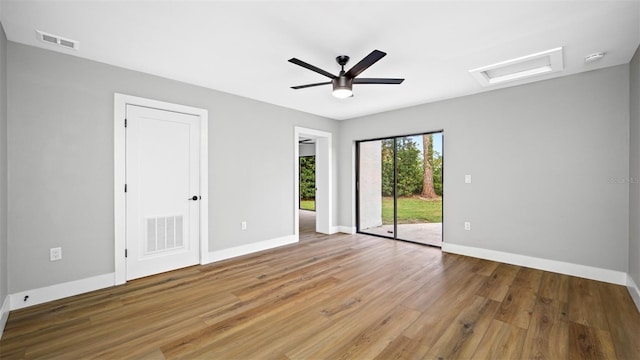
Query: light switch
column 467, row 179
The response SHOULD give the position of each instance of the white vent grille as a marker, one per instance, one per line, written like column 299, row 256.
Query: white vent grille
column 164, row 233
column 541, row 63
column 57, row 40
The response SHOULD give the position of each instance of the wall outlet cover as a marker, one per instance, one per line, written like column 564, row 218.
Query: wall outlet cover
column 55, row 254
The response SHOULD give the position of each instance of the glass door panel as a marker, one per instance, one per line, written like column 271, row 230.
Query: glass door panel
column 375, row 187
column 418, row 199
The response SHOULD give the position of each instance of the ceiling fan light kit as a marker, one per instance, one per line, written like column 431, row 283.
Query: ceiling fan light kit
column 342, row 87
column 343, row 83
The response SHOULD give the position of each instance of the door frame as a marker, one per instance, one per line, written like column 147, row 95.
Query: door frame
column 324, row 213
column 120, row 103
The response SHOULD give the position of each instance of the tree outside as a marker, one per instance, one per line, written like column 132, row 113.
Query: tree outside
column 419, row 179
column 308, row 182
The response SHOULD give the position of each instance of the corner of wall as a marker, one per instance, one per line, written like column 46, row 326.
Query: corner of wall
column 4, row 311
column 634, row 291
column 634, row 177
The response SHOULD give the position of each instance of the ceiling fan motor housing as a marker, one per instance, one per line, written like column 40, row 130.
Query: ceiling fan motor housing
column 342, row 82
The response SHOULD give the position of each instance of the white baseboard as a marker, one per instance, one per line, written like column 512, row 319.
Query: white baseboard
column 583, row 271
column 634, row 291
column 347, row 229
column 4, row 313
column 60, row 291
column 224, row 254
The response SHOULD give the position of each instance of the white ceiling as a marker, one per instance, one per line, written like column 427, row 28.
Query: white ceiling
column 242, row 47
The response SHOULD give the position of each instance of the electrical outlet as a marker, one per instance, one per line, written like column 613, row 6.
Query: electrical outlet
column 467, row 179
column 244, row 225
column 467, row 226
column 55, row 254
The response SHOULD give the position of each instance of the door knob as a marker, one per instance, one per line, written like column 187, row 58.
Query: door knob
column 194, row 198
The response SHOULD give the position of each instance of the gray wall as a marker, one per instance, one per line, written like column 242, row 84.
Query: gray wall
column 545, row 158
column 634, row 169
column 307, row 150
column 61, row 164
column 3, row 166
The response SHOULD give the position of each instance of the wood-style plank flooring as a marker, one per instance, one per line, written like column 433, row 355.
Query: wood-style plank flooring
column 337, row 297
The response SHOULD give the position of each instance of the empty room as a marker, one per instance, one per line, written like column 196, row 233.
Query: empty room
column 319, row 179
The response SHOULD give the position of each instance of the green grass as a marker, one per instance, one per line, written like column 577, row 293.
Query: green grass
column 308, row 205
column 412, row 210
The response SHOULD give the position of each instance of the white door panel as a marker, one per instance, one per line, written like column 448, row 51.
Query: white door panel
column 162, row 171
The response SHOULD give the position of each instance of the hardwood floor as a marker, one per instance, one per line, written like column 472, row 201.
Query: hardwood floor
column 337, row 297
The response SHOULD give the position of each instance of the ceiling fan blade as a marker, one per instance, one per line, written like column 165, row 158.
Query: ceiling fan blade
column 365, row 63
column 377, row 81
column 312, row 68
column 310, row 85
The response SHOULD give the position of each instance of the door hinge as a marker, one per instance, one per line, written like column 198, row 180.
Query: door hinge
column 125, row 122
column 125, row 252
column 125, row 187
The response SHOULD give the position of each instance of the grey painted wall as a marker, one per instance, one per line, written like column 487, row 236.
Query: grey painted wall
column 61, row 164
column 307, row 150
column 634, row 169
column 545, row 160
column 3, row 166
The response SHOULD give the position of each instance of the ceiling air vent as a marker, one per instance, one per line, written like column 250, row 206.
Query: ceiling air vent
column 544, row 62
column 57, row 40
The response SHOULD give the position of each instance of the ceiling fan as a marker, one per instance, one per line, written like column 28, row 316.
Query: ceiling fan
column 343, row 83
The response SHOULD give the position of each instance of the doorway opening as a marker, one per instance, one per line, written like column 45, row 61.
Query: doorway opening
column 313, row 190
column 399, row 187
column 307, row 186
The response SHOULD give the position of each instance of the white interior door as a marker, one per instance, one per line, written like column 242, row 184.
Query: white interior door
column 163, row 190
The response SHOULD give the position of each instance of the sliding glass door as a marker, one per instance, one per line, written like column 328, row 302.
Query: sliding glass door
column 399, row 187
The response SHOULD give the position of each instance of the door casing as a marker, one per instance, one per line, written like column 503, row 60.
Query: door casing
column 120, row 103
column 323, row 180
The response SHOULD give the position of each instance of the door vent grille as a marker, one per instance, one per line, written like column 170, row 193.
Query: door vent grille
column 57, row 40
column 164, row 233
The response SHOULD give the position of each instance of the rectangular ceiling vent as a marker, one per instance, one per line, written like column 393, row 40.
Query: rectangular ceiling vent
column 541, row 63
column 57, row 40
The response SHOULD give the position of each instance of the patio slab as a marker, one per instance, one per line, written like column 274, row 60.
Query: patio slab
column 426, row 233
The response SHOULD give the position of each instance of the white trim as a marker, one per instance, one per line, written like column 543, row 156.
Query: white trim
column 120, row 103
column 347, row 229
column 251, row 248
column 588, row 272
column 119, row 198
column 60, row 291
column 324, row 150
column 4, row 313
column 204, row 187
column 634, row 291
column 354, row 192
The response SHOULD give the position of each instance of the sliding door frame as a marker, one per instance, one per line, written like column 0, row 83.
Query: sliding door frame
column 395, row 185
